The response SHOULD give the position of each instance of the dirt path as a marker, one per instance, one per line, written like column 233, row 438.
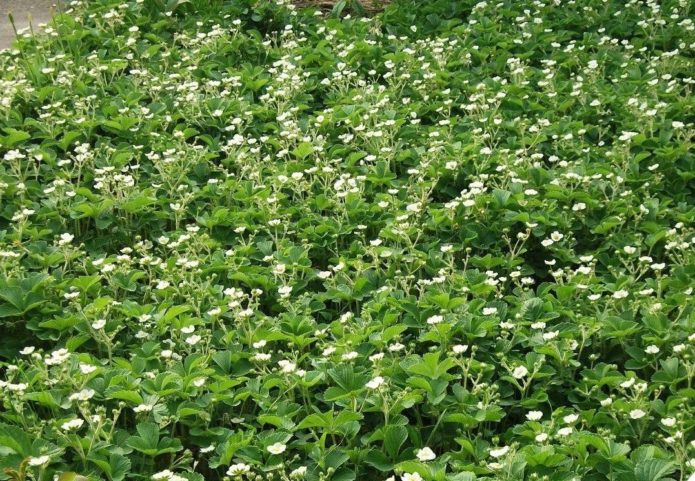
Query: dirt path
column 38, row 11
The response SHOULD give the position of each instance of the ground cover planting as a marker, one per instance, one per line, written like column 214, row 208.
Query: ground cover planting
column 446, row 241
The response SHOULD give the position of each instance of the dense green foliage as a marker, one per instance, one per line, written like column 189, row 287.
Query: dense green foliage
column 450, row 242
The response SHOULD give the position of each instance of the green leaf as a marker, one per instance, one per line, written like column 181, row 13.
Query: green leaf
column 614, row 452
column 138, row 202
column 22, row 295
column 303, row 150
column 347, row 379
column 120, row 465
column 131, row 396
column 16, row 439
column 45, row 398
column 344, row 474
column 394, row 437
column 277, row 421
column 148, row 442
column 13, row 137
column 116, row 466
column 378, row 460
column 430, row 366
column 461, row 477
column 71, row 476
column 653, row 469
column 532, row 309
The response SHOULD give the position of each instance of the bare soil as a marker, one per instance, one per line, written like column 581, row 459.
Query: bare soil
column 24, row 12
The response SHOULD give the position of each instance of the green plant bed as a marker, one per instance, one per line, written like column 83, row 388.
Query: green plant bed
column 446, row 241
column 338, row 6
